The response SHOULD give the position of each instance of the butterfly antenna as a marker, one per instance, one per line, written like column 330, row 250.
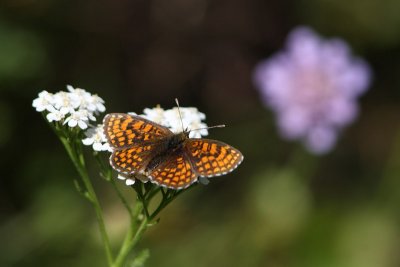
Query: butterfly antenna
column 211, row 127
column 180, row 114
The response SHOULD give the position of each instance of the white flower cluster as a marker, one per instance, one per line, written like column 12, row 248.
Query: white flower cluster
column 96, row 138
column 191, row 119
column 74, row 108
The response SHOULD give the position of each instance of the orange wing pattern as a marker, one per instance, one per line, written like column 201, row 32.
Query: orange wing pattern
column 176, row 172
column 124, row 130
column 133, row 159
column 144, row 147
column 212, row 158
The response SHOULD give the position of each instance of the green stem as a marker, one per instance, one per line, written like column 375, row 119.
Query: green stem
column 167, row 198
column 132, row 237
column 140, row 195
column 79, row 163
column 153, row 192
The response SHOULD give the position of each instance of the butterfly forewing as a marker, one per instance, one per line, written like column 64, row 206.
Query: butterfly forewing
column 124, row 130
column 175, row 172
column 212, row 158
column 133, row 159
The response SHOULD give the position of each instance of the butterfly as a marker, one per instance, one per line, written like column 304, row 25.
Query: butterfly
column 143, row 147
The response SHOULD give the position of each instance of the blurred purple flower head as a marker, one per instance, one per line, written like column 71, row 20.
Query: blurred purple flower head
column 313, row 88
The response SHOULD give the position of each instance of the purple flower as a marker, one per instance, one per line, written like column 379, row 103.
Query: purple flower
column 313, row 86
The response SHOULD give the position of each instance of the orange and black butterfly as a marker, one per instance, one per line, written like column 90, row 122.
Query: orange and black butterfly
column 171, row 160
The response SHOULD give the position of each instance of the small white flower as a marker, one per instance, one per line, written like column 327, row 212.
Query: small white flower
column 173, row 121
column 129, row 182
column 131, row 179
column 89, row 114
column 203, row 180
column 54, row 115
column 79, row 92
column 98, row 103
column 82, row 97
column 154, row 114
column 78, row 118
column 121, row 177
column 65, row 102
column 96, row 139
column 45, row 101
column 198, row 133
column 92, row 103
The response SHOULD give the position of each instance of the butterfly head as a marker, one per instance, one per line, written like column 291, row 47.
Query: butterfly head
column 177, row 140
column 186, row 132
column 184, row 135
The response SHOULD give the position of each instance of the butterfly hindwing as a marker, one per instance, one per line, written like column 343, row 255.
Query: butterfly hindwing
column 175, row 172
column 124, row 130
column 212, row 158
column 131, row 160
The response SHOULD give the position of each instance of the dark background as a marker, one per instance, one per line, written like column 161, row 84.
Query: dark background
column 281, row 207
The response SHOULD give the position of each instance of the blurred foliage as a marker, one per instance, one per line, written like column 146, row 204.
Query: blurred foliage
column 281, row 207
column 22, row 54
column 374, row 22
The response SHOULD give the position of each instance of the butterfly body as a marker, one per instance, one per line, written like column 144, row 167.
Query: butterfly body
column 171, row 145
column 171, row 160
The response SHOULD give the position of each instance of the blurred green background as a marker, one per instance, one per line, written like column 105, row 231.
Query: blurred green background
column 281, row 207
